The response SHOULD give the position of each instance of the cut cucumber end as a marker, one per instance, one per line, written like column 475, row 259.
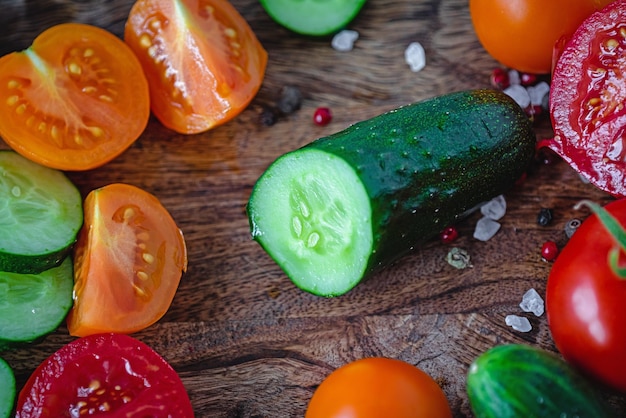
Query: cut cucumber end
column 313, row 17
column 312, row 214
column 34, row 305
column 40, row 215
column 7, row 389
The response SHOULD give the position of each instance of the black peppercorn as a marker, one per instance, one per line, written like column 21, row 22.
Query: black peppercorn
column 545, row 217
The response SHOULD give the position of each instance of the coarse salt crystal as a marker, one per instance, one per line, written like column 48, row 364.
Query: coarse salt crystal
column 538, row 92
column 486, row 228
column 518, row 323
column 532, row 302
column 518, row 93
column 495, row 208
column 415, row 56
column 344, row 40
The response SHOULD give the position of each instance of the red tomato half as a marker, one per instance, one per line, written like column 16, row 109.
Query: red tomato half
column 128, row 262
column 587, row 98
column 107, row 375
column 203, row 62
column 378, row 387
column 74, row 100
column 521, row 34
column 585, row 301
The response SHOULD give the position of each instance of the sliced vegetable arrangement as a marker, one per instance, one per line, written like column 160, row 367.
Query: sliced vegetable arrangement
column 203, row 62
column 129, row 260
column 344, row 206
column 311, row 17
column 522, row 34
column 586, row 102
column 74, row 100
column 107, row 375
column 7, row 389
column 585, row 296
column 521, row 381
column 376, row 387
column 40, row 215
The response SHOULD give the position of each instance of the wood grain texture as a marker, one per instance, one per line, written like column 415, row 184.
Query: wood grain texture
column 245, row 341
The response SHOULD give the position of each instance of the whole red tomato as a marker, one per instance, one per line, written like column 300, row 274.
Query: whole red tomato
column 521, row 34
column 378, row 387
column 585, row 297
column 587, row 98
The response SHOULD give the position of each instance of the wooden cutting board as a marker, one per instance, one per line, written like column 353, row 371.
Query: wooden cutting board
column 244, row 340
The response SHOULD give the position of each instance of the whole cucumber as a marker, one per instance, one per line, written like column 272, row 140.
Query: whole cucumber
column 338, row 209
column 521, row 381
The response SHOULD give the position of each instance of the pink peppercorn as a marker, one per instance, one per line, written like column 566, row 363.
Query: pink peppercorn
column 549, row 251
column 322, row 116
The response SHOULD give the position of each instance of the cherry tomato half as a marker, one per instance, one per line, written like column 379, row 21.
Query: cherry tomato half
column 128, row 262
column 108, row 375
column 585, row 301
column 74, row 100
column 521, row 34
column 203, row 61
column 378, row 387
column 587, row 98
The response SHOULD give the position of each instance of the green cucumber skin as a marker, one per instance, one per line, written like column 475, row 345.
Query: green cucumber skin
column 425, row 164
column 522, row 381
column 7, row 389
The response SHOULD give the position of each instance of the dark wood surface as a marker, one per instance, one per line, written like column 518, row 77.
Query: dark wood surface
column 244, row 340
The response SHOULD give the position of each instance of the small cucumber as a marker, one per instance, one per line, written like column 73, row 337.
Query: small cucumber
column 313, row 17
column 521, row 381
column 336, row 210
column 34, row 305
column 40, row 215
column 7, row 389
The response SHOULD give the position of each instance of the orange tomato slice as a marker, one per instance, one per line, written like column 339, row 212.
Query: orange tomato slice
column 128, row 262
column 74, row 100
column 203, row 62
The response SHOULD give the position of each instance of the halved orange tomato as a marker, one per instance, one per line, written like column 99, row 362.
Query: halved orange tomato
column 203, row 62
column 74, row 100
column 128, row 262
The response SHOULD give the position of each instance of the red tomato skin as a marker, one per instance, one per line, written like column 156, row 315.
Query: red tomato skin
column 117, row 364
column 521, row 34
column 585, row 302
column 586, row 107
column 377, row 387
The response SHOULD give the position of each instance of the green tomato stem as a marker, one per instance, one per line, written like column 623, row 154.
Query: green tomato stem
column 615, row 229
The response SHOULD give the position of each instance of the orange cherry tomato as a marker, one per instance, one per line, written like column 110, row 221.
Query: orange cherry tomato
column 378, row 387
column 521, row 34
column 203, row 61
column 74, row 100
column 128, row 262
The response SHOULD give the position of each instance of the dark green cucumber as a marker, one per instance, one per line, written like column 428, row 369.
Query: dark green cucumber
column 34, row 305
column 40, row 215
column 521, row 381
column 7, row 389
column 336, row 210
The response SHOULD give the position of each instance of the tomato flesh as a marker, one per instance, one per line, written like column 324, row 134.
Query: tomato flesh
column 74, row 100
column 203, row 62
column 587, row 99
column 585, row 302
column 378, row 387
column 128, row 262
column 104, row 375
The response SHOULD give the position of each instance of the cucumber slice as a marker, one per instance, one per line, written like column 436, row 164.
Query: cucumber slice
column 324, row 235
column 41, row 213
column 34, row 305
column 7, row 389
column 313, row 17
